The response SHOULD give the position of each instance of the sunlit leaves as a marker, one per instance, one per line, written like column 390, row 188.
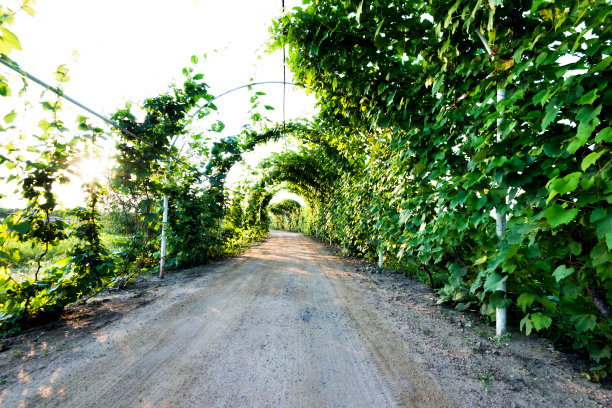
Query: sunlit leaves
column 218, row 126
column 591, row 159
column 504, row 64
column 540, row 153
column 565, row 184
column 604, row 135
column 26, row 6
column 8, row 41
column 10, row 117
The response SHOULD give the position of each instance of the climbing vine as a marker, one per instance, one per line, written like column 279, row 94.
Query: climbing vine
column 285, row 215
column 148, row 166
column 435, row 118
column 410, row 96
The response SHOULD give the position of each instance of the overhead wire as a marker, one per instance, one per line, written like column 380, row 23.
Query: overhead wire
column 62, row 94
column 284, row 80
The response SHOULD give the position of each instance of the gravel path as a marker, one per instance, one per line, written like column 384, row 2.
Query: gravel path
column 278, row 327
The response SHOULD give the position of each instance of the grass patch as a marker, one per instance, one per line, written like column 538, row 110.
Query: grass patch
column 29, row 253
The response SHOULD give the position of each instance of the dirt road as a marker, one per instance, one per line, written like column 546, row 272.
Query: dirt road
column 276, row 327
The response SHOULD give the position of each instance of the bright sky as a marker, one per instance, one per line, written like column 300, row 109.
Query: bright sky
column 128, row 50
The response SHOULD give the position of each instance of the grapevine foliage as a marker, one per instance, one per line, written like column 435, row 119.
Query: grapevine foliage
column 285, row 215
column 149, row 166
column 410, row 99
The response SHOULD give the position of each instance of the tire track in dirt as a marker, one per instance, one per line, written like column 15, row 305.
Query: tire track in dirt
column 411, row 385
column 275, row 327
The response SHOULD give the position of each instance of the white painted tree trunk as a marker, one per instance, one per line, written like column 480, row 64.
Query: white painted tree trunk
column 380, row 258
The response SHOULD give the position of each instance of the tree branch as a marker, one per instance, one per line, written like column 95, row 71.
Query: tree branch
column 599, row 303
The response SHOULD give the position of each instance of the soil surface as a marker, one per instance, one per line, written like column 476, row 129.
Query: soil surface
column 287, row 324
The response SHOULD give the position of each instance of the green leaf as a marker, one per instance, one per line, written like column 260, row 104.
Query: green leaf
column 359, row 11
column 602, row 218
column 541, row 97
column 451, row 11
column 552, row 109
column 437, row 85
column 540, row 321
column 556, row 215
column 27, row 8
column 575, row 247
column 504, row 64
column 591, row 159
column 584, row 322
column 61, row 75
column 268, row 107
column 566, row 184
column 582, row 135
column 597, row 353
column 22, row 227
column 525, row 300
column 480, row 260
column 605, row 271
column 586, row 114
column 4, row 88
column 9, row 118
column 547, row 304
column 526, row 323
column 405, row 216
column 599, row 254
column 379, row 27
column 44, row 125
column 562, row 272
column 589, row 97
column 602, row 64
column 499, row 300
column 605, row 135
column 493, row 281
column 8, row 41
column 546, row 14
column 585, row 118
column 571, row 288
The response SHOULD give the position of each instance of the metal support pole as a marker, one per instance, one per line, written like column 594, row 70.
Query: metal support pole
column 500, row 227
column 500, row 217
column 219, row 237
column 162, row 260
